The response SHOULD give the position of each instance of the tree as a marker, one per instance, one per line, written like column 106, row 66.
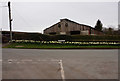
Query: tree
column 110, row 31
column 98, row 25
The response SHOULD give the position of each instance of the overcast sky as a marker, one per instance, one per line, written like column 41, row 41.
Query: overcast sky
column 36, row 16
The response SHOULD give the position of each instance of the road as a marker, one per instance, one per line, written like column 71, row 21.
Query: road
column 44, row 64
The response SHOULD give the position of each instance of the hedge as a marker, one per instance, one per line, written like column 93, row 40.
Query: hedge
column 43, row 37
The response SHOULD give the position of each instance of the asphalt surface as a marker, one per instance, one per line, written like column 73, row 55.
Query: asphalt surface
column 44, row 64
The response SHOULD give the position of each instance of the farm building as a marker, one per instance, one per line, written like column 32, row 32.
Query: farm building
column 68, row 27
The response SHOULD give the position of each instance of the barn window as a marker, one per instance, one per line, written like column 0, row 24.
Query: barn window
column 59, row 25
column 52, row 33
column 75, row 32
column 83, row 27
column 66, row 24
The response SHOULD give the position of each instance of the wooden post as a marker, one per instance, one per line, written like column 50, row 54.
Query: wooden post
column 10, row 21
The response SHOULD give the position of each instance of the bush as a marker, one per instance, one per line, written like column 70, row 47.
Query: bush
column 5, row 39
column 43, row 37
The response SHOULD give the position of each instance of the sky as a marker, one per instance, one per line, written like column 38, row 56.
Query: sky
column 119, row 15
column 36, row 16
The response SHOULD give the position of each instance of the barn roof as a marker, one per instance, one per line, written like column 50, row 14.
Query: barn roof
column 79, row 23
column 72, row 22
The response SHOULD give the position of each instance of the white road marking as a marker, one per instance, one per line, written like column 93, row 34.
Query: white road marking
column 39, row 60
column 18, row 62
column 10, row 61
column 54, row 60
column 27, row 60
column 62, row 70
column 30, row 60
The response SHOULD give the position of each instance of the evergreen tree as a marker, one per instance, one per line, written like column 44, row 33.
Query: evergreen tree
column 98, row 25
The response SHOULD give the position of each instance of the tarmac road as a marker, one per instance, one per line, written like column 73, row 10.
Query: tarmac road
column 43, row 63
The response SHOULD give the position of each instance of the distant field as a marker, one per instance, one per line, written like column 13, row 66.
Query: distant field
column 64, row 46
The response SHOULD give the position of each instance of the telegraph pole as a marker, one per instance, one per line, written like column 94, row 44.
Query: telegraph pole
column 10, row 21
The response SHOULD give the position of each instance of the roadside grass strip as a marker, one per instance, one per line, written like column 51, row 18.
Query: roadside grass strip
column 59, row 45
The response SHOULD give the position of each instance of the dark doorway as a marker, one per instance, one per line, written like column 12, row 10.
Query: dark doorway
column 52, row 33
column 74, row 32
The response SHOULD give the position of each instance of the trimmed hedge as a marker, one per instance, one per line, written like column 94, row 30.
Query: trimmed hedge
column 96, row 38
column 42, row 37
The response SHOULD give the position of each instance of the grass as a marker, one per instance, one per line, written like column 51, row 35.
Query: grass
column 54, row 46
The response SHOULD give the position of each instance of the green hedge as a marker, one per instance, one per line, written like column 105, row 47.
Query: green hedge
column 42, row 37
column 95, row 38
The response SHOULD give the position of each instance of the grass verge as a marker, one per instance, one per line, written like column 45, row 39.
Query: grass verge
column 58, row 46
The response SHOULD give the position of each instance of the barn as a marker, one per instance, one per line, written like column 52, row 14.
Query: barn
column 68, row 27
